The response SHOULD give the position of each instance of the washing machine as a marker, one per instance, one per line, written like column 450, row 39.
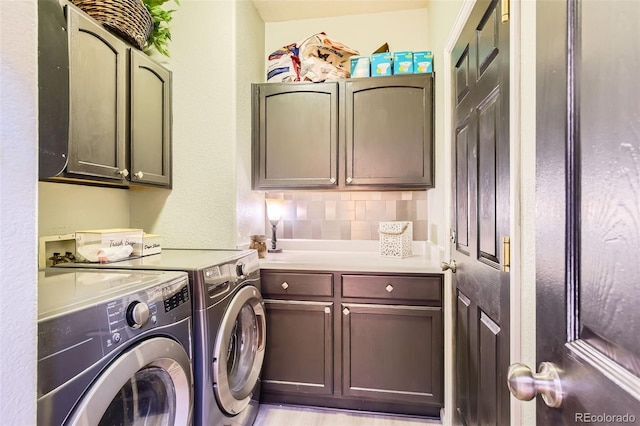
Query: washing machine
column 114, row 348
column 229, row 328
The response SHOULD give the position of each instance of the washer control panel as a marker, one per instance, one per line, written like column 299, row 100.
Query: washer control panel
column 139, row 312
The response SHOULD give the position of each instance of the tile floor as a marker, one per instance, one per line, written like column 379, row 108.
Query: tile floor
column 281, row 415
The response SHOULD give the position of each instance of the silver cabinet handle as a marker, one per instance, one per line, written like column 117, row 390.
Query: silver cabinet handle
column 349, row 180
column 124, row 173
column 345, row 311
column 327, row 310
column 285, row 285
column 332, row 180
column 525, row 385
column 451, row 265
column 139, row 175
column 389, row 288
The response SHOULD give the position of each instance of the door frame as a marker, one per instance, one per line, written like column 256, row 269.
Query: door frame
column 522, row 316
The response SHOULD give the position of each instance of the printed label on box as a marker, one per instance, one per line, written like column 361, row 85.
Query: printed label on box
column 381, row 64
column 422, row 62
column 403, row 63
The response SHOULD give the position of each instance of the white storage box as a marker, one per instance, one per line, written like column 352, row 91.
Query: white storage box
column 108, row 245
column 395, row 239
column 151, row 244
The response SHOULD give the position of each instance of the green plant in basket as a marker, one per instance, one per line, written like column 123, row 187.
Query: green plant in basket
column 161, row 33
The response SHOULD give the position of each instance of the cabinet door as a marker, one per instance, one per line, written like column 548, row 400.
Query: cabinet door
column 150, row 121
column 295, row 135
column 299, row 351
column 97, row 99
column 392, row 353
column 389, row 131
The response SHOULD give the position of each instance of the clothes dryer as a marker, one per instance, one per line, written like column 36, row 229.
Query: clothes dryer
column 229, row 328
column 114, row 348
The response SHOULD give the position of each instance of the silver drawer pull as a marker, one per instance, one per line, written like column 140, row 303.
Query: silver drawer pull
column 327, row 310
column 345, row 311
column 389, row 288
column 285, row 285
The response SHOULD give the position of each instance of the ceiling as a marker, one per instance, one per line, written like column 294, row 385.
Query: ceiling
column 289, row 10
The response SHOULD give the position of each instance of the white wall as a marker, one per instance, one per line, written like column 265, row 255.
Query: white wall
column 18, row 197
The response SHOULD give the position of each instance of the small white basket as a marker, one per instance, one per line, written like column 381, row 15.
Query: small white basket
column 395, row 239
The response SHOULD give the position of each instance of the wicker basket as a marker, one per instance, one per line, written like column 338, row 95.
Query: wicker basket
column 128, row 19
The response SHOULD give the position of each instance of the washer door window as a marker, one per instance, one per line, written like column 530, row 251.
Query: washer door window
column 149, row 384
column 239, row 350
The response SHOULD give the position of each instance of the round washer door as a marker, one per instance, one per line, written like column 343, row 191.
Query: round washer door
column 148, row 384
column 239, row 350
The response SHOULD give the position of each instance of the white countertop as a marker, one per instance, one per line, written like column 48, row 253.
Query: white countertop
column 349, row 258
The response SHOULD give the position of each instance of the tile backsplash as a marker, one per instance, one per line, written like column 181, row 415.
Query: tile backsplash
column 348, row 215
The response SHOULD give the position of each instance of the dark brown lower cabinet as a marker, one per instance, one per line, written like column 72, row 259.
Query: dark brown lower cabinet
column 388, row 353
column 369, row 342
column 300, row 347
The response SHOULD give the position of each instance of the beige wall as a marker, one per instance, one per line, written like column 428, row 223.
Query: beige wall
column 527, row 216
column 65, row 208
column 402, row 30
column 249, row 67
column 200, row 210
column 443, row 15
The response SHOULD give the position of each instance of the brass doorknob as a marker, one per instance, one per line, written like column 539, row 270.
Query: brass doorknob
column 451, row 265
column 525, row 384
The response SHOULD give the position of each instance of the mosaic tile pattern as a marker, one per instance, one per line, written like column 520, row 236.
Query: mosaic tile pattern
column 348, row 215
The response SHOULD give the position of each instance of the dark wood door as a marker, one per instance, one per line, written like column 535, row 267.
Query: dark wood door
column 480, row 216
column 388, row 128
column 150, row 117
column 588, row 209
column 295, row 135
column 392, row 353
column 98, row 99
column 299, row 352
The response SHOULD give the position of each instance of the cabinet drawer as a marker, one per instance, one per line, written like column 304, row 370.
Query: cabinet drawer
column 393, row 287
column 296, row 284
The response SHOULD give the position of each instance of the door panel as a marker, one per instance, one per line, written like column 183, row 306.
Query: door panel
column 480, row 215
column 588, row 201
column 465, row 399
column 150, row 121
column 462, row 188
column 295, row 135
column 488, row 123
column 388, row 353
column 299, row 355
column 489, row 335
column 389, row 130
column 97, row 78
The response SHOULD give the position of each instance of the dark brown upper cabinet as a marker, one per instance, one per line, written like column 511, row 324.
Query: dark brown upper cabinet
column 98, row 100
column 363, row 133
column 150, row 121
column 119, row 110
column 388, row 131
column 295, row 135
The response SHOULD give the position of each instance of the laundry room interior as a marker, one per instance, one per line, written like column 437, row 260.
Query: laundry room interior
column 343, row 297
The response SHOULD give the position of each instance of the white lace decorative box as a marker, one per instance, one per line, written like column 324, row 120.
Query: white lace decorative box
column 395, row 239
